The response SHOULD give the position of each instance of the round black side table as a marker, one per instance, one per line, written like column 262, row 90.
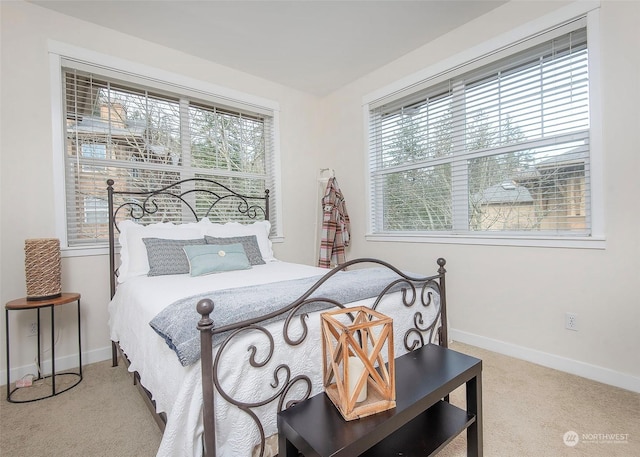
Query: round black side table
column 51, row 303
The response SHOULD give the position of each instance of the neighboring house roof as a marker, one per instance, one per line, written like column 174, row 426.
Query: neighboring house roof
column 527, row 174
column 97, row 126
column 503, row 193
column 513, row 192
column 575, row 156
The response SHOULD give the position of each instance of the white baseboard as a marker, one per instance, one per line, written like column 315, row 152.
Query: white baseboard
column 585, row 370
column 68, row 362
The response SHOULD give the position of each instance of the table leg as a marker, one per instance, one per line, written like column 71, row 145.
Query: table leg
column 286, row 448
column 474, row 406
column 79, row 343
column 39, row 348
column 6, row 321
column 53, row 352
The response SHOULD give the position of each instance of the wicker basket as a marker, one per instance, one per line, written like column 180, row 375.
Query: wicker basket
column 42, row 268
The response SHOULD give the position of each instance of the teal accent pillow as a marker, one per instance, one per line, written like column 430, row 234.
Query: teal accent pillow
column 215, row 258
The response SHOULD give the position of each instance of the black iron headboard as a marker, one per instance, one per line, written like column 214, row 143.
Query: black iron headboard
column 148, row 206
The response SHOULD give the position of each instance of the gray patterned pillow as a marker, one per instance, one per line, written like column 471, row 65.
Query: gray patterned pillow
column 167, row 257
column 249, row 243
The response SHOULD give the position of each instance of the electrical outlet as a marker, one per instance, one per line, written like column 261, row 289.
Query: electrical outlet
column 33, row 329
column 571, row 321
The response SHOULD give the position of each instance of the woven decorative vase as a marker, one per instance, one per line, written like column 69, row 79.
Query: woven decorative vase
column 42, row 268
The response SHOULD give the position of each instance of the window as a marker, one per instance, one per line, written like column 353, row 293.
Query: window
column 144, row 135
column 497, row 147
column 92, row 151
column 96, row 211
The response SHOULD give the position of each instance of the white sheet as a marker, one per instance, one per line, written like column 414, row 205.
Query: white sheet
column 176, row 389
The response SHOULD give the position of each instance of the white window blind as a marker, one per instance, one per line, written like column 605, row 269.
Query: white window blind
column 502, row 147
column 144, row 137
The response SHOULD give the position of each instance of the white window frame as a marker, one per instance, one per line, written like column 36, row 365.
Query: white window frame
column 412, row 83
column 58, row 52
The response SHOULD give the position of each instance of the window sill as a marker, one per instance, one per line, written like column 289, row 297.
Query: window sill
column 494, row 240
column 84, row 251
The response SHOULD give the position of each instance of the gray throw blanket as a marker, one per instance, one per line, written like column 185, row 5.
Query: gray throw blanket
column 177, row 322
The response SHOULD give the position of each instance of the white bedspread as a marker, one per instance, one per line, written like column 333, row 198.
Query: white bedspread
column 176, row 389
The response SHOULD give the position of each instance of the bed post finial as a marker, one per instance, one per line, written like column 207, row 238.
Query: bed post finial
column 441, row 262
column 205, row 326
column 205, row 307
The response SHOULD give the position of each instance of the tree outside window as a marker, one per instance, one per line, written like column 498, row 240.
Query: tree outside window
column 501, row 149
column 145, row 139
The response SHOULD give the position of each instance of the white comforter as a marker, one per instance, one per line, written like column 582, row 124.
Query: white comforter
column 176, row 389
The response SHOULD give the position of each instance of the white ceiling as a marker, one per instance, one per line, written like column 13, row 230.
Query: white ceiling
column 313, row 46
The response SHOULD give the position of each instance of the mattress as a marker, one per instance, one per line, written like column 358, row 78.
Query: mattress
column 176, row 389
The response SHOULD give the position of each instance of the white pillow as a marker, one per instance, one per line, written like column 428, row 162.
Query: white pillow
column 260, row 229
column 133, row 252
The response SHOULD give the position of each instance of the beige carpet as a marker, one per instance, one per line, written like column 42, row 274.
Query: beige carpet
column 529, row 408
column 527, row 411
column 104, row 415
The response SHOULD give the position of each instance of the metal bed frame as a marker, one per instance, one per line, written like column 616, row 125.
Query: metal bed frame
column 415, row 292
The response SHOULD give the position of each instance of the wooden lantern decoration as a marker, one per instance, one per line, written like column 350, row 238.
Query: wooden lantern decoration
column 355, row 376
column 42, row 268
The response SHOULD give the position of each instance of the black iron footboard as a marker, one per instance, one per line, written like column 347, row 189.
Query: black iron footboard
column 421, row 294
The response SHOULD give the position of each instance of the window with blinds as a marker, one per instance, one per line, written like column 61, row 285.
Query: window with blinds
column 501, row 148
column 145, row 138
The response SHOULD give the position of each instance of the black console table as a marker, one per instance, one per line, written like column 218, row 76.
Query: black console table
column 420, row 425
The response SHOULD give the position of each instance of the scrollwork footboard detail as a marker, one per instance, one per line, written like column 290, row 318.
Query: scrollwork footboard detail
column 423, row 296
column 282, row 384
column 287, row 389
